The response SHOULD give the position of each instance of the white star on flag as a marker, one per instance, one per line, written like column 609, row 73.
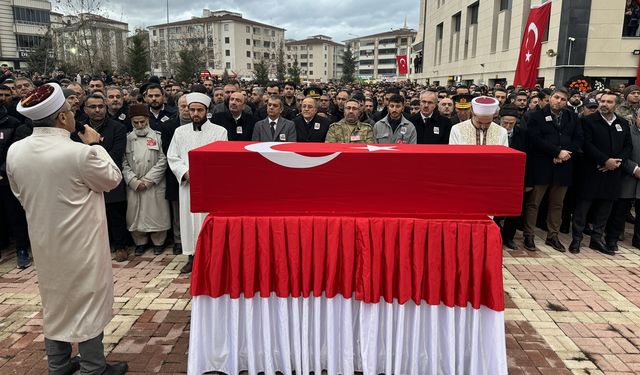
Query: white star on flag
column 528, row 56
column 378, row 148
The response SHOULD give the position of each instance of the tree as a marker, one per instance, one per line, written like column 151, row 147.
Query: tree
column 138, row 58
column 225, row 76
column 40, row 59
column 294, row 71
column 261, row 71
column 190, row 61
column 281, row 68
column 348, row 65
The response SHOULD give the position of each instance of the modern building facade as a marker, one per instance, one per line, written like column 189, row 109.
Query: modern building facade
column 376, row 54
column 91, row 42
column 226, row 39
column 318, row 57
column 471, row 41
column 23, row 25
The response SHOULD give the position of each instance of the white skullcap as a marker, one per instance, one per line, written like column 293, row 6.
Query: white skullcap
column 196, row 97
column 485, row 106
column 40, row 104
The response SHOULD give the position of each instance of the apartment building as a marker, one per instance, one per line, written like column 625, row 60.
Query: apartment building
column 23, row 25
column 228, row 42
column 318, row 57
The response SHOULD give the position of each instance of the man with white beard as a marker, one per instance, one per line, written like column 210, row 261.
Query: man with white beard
column 186, row 138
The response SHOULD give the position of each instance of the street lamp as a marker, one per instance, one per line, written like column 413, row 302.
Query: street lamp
column 571, row 40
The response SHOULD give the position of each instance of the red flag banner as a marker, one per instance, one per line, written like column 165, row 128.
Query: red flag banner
column 638, row 74
column 403, row 67
column 529, row 60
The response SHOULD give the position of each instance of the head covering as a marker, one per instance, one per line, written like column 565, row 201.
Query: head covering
column 196, row 97
column 42, row 102
column 509, row 110
column 627, row 90
column 68, row 92
column 138, row 110
column 485, row 106
column 313, row 92
column 462, row 101
column 591, row 103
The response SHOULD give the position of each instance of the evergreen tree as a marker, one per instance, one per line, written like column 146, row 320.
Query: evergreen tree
column 40, row 59
column 261, row 70
column 294, row 71
column 281, row 67
column 225, row 76
column 138, row 58
column 348, row 65
column 189, row 64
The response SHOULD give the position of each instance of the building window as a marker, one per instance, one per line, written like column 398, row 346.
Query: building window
column 28, row 41
column 248, row 42
column 249, row 66
column 310, row 64
column 311, row 55
column 266, row 44
column 154, row 33
column 273, row 33
column 473, row 13
column 31, row 16
column 455, row 22
column 505, row 5
column 248, row 29
column 249, row 54
column 228, row 65
column 266, row 55
column 227, row 52
column 311, row 72
column 226, row 27
column 161, row 33
column 226, row 40
column 439, row 31
column 631, row 15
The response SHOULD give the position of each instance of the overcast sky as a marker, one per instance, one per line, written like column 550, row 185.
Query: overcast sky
column 338, row 19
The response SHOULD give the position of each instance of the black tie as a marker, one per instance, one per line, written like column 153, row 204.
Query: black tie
column 273, row 129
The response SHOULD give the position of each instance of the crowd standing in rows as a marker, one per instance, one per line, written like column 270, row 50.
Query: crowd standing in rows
column 583, row 148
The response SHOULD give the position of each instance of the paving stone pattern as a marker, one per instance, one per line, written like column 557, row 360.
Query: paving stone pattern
column 566, row 314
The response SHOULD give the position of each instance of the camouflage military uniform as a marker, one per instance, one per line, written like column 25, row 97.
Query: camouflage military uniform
column 628, row 112
column 343, row 132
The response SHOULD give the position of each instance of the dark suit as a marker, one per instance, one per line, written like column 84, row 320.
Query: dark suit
column 165, row 115
column 114, row 140
column 122, row 116
column 433, row 130
column 312, row 131
column 240, row 130
column 547, row 136
column 600, row 189
column 285, row 131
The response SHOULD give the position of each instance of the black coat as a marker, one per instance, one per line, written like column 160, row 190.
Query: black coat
column 601, row 142
column 167, row 131
column 240, row 130
column 165, row 115
column 8, row 126
column 434, row 131
column 518, row 141
column 114, row 140
column 122, row 116
column 546, row 140
column 315, row 131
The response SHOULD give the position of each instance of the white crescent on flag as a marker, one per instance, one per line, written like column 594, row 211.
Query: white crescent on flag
column 288, row 159
column 403, row 62
column 534, row 28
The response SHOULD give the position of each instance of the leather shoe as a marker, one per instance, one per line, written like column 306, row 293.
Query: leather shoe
column 612, row 247
column 72, row 366
column 140, row 250
column 177, row 249
column 574, row 247
column 187, row 267
column 509, row 243
column 116, row 369
column 600, row 246
column 22, row 259
column 121, row 255
column 636, row 245
column 157, row 250
column 555, row 243
column 529, row 243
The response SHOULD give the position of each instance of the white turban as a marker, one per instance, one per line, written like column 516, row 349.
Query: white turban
column 39, row 104
column 197, row 97
column 485, row 106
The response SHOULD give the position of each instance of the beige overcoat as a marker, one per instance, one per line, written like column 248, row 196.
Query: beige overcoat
column 60, row 184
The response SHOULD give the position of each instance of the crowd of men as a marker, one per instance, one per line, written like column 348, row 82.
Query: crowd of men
column 583, row 149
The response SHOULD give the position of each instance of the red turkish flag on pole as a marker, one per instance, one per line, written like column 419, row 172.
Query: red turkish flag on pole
column 529, row 60
column 403, row 67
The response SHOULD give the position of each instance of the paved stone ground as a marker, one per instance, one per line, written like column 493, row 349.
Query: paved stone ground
column 566, row 314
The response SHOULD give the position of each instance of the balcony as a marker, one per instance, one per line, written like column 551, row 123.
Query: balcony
column 30, row 29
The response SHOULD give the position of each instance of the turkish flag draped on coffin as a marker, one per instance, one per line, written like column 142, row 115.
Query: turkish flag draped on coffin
column 529, row 60
column 403, row 67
